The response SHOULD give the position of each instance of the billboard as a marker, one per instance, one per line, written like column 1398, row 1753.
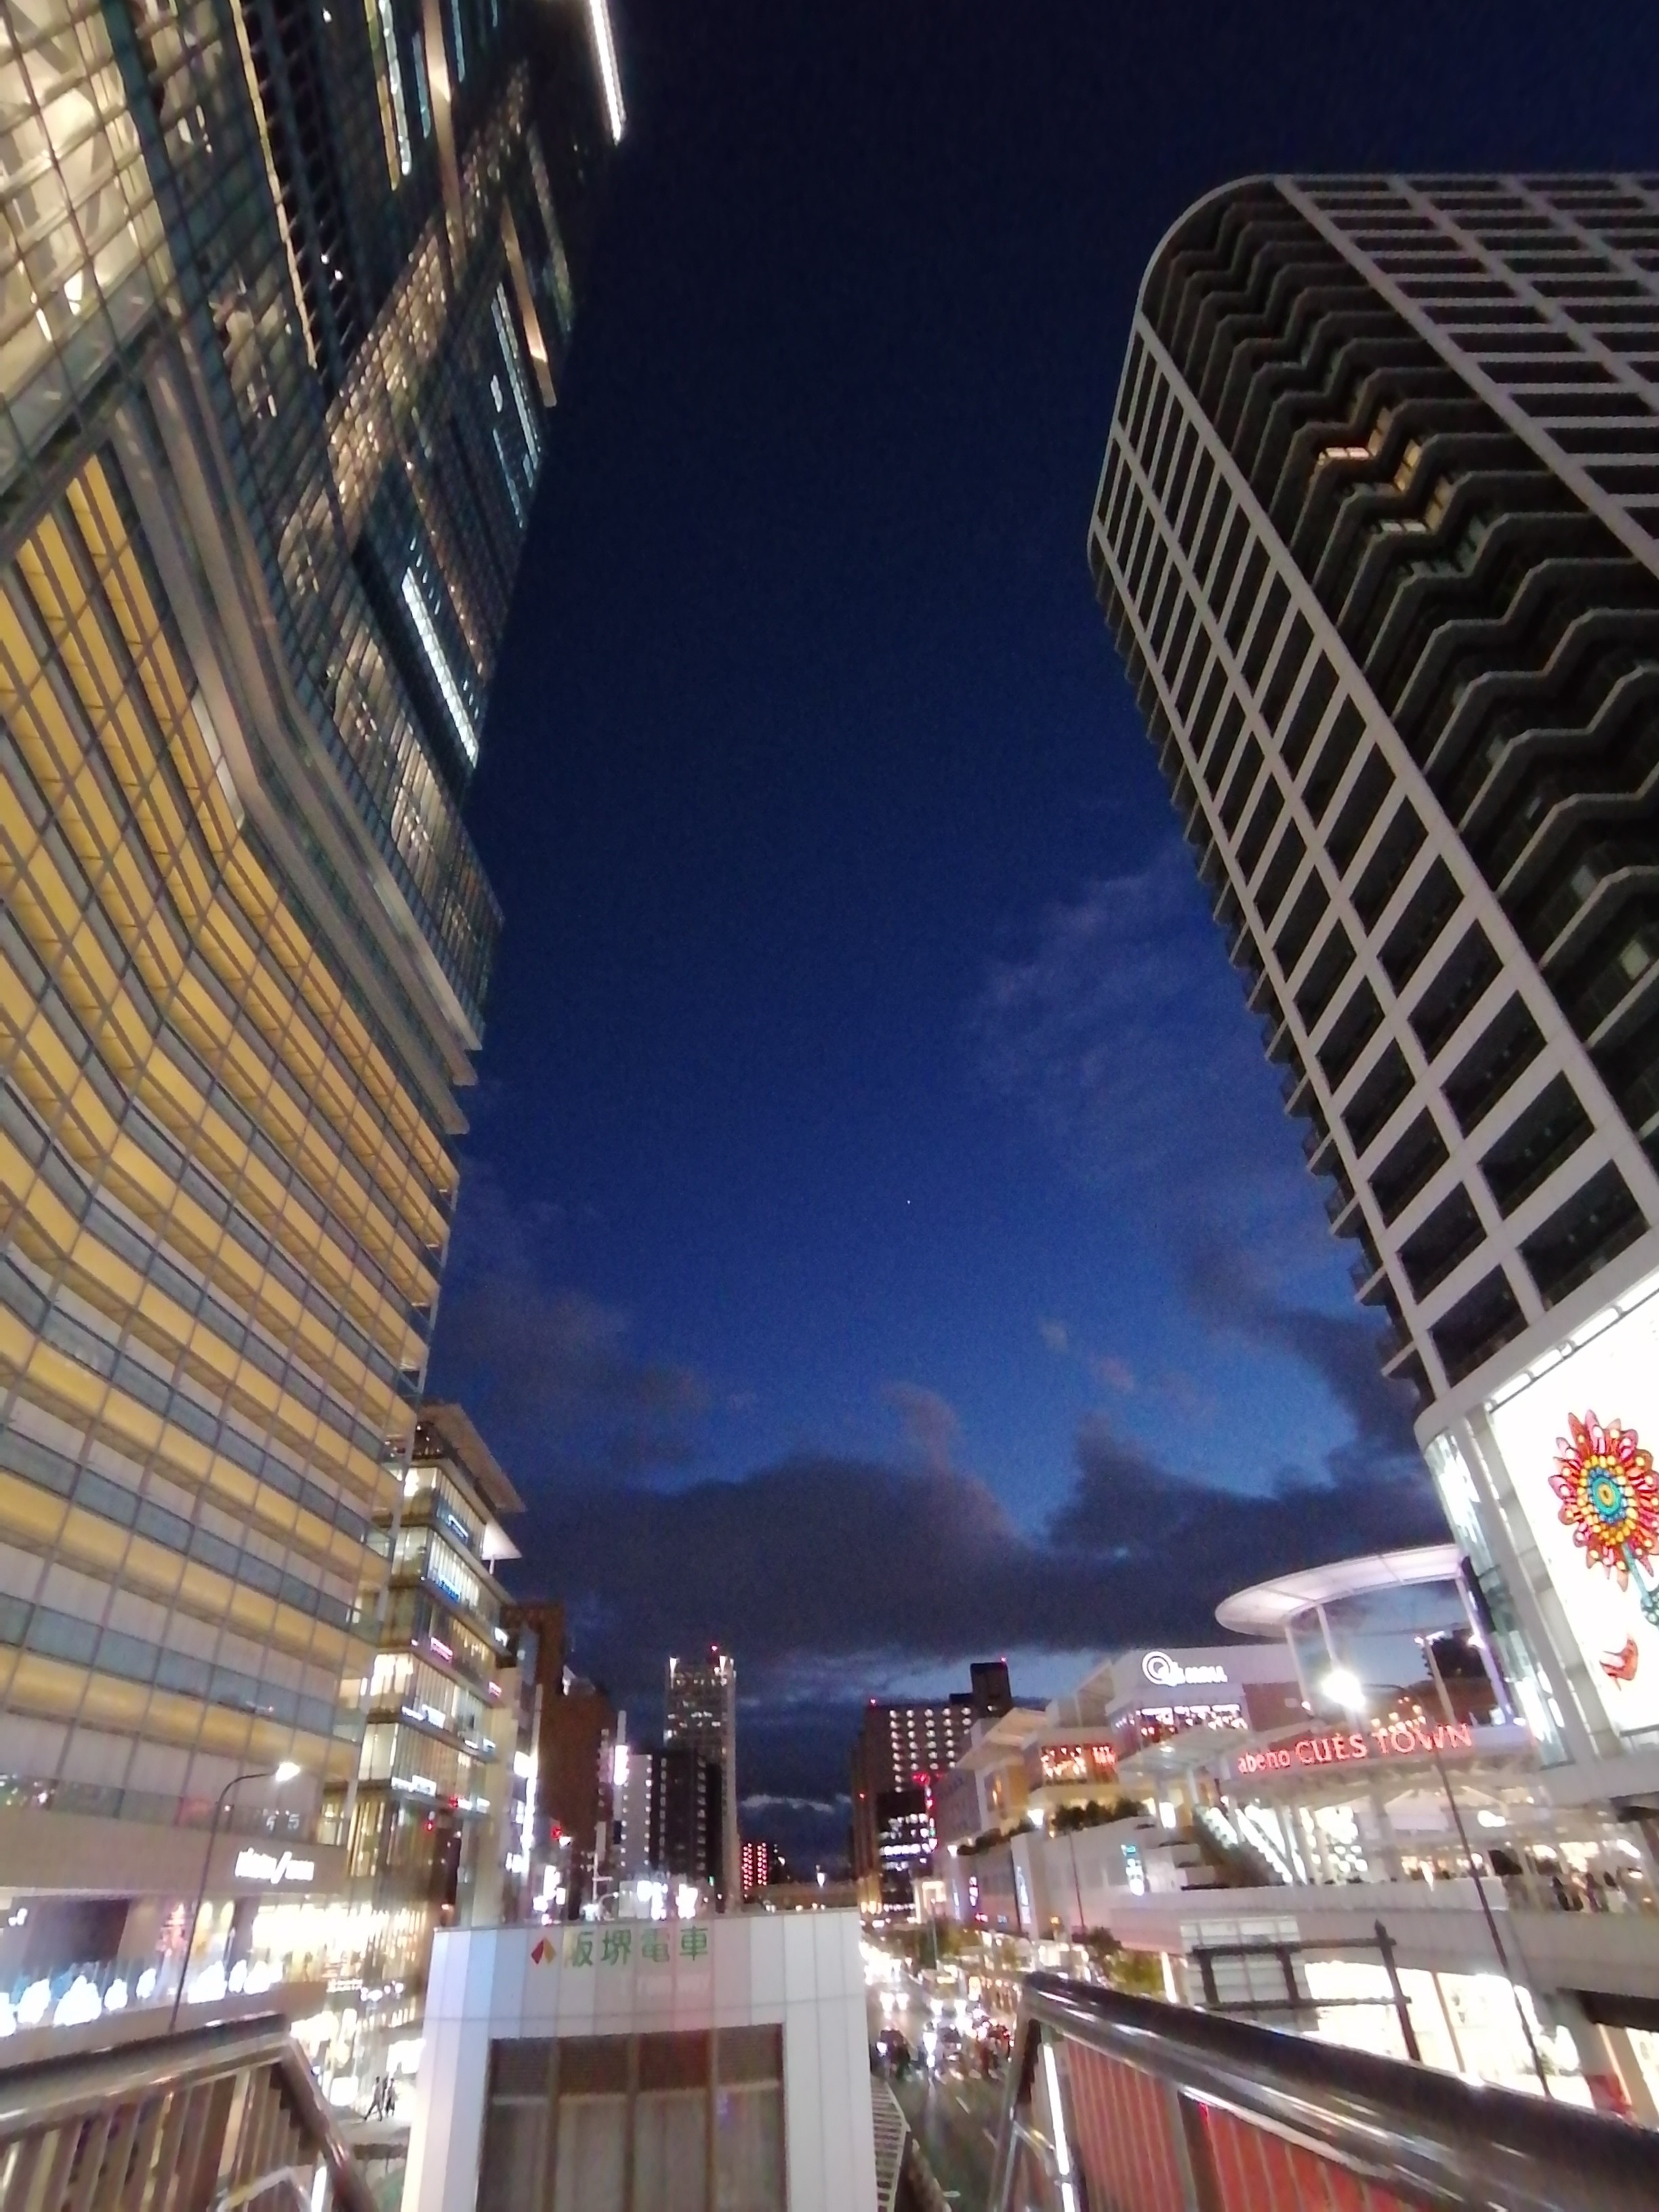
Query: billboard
column 1578, row 1442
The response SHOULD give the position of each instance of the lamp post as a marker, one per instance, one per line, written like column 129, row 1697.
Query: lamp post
column 284, row 1771
column 1345, row 1688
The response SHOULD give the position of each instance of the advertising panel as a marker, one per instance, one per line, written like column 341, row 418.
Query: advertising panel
column 1578, row 1444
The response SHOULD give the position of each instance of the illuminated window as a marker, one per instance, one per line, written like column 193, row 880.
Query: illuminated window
column 426, row 629
column 604, row 53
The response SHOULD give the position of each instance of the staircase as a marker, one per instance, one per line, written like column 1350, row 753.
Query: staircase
column 1251, row 1856
column 207, row 2121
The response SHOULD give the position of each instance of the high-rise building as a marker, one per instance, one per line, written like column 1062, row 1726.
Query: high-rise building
column 903, row 1745
column 441, row 1804
column 700, row 1713
column 762, row 1865
column 688, row 1816
column 285, row 295
column 1378, row 534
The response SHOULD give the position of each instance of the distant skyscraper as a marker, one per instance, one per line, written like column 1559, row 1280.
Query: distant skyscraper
column 1378, row 534
column 700, row 1711
column 285, row 294
column 687, row 1816
column 903, row 1745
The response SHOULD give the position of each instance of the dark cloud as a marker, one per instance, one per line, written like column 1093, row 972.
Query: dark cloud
column 549, row 1374
column 931, row 1423
column 1121, row 1028
column 1341, row 1349
column 819, row 1562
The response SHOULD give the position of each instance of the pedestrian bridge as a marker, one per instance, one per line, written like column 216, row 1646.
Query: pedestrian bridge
column 1114, row 2104
column 1124, row 2104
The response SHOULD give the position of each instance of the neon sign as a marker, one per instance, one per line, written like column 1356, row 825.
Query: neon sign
column 1350, row 1746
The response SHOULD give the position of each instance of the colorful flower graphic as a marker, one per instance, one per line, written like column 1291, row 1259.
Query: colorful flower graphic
column 1610, row 1500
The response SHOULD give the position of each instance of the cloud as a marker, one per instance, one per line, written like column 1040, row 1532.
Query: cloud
column 1340, row 1349
column 761, row 1801
column 1122, row 1029
column 1056, row 1335
column 549, row 1372
column 821, row 1558
column 931, row 1423
column 1116, row 1374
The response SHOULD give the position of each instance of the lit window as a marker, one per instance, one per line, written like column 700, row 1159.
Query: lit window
column 426, row 629
column 604, row 53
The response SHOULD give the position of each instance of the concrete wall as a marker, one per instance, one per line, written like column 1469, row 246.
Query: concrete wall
column 801, row 1971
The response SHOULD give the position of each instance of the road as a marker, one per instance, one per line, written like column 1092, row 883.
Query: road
column 955, row 2123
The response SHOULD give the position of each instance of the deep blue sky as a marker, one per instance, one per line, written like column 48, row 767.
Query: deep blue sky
column 880, row 1243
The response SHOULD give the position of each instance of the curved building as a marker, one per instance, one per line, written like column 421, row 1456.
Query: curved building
column 1376, row 533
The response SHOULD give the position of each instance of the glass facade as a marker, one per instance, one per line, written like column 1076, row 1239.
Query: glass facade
column 285, row 294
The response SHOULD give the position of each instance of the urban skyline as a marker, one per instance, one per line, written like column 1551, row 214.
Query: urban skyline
column 839, row 1213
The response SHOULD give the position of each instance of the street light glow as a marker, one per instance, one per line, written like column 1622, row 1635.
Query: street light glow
column 1344, row 1688
column 289, row 1770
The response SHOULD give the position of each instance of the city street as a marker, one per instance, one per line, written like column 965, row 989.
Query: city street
column 955, row 2123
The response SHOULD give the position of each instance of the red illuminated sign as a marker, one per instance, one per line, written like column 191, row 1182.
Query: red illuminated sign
column 1348, row 1746
column 1076, row 1762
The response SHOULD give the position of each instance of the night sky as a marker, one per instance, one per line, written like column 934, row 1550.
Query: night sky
column 880, row 1243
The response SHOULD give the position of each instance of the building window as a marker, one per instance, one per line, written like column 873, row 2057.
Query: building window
column 628, row 2124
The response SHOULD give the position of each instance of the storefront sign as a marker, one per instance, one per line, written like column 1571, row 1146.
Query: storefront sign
column 1168, row 1674
column 1075, row 1762
column 1350, row 1746
column 262, row 1866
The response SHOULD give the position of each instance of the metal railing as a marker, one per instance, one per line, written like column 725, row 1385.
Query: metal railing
column 211, row 2120
column 1123, row 2104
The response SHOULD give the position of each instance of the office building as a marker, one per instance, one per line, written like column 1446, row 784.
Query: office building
column 765, row 1867
column 284, row 299
column 904, row 1747
column 444, row 1795
column 688, row 1817
column 701, row 1714
column 1378, row 533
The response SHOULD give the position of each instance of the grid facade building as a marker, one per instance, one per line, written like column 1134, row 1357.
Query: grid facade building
column 700, row 1714
column 1377, row 533
column 284, row 296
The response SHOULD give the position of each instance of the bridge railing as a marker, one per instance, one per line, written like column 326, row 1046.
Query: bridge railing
column 211, row 2120
column 1122, row 2104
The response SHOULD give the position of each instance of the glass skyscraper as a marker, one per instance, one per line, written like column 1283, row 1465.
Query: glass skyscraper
column 286, row 289
column 1378, row 535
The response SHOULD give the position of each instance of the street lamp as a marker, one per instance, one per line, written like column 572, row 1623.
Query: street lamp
column 1345, row 1688
column 285, row 1771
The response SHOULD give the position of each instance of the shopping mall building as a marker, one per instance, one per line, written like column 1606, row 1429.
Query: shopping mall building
column 1346, row 1825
